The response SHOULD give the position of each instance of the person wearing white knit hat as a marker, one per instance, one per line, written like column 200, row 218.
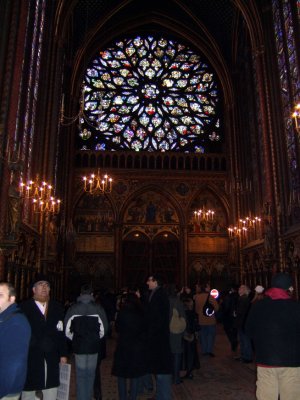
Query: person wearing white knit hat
column 258, row 294
column 259, row 289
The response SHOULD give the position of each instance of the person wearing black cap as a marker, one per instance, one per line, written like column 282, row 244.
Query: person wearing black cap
column 48, row 346
column 274, row 326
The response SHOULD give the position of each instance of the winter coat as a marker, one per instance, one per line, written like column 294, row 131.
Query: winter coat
column 129, row 357
column 176, row 339
column 243, row 307
column 274, row 327
column 158, row 352
column 200, row 300
column 47, row 343
column 85, row 325
column 15, row 335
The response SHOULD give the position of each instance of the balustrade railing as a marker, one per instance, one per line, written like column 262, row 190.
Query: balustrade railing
column 152, row 161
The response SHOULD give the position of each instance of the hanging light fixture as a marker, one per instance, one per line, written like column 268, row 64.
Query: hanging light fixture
column 41, row 194
column 97, row 184
column 81, row 116
column 250, row 226
column 204, row 214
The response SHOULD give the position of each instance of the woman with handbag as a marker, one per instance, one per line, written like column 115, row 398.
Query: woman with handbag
column 206, row 319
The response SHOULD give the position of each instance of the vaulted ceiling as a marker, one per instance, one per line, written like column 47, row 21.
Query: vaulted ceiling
column 213, row 22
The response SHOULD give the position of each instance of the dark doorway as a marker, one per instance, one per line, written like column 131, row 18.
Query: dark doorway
column 135, row 265
column 142, row 257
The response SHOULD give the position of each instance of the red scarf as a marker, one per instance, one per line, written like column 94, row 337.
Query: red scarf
column 278, row 294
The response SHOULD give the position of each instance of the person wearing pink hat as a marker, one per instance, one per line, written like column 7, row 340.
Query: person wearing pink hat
column 273, row 324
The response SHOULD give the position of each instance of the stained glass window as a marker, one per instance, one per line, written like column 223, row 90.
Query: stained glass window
column 150, row 94
column 289, row 79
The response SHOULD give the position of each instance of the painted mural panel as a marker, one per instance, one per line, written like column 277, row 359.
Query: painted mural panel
column 151, row 208
column 94, row 214
column 208, row 244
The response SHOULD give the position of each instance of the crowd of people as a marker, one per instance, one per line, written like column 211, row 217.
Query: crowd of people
column 159, row 331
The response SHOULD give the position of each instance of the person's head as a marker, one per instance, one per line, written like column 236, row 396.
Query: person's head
column 86, row 289
column 282, row 281
column 259, row 289
column 205, row 288
column 244, row 290
column 233, row 288
column 41, row 288
column 130, row 299
column 7, row 295
column 187, row 290
column 154, row 281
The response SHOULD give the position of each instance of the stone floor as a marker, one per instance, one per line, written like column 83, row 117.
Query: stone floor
column 219, row 378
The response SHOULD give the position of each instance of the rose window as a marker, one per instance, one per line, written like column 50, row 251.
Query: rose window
column 149, row 94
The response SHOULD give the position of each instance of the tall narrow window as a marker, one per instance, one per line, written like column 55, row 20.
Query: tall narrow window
column 32, row 75
column 289, row 79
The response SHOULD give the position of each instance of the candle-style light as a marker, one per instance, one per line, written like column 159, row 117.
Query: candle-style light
column 296, row 116
column 96, row 184
column 248, row 227
column 202, row 213
column 41, row 195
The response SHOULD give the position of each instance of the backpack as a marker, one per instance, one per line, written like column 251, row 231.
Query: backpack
column 177, row 323
column 208, row 308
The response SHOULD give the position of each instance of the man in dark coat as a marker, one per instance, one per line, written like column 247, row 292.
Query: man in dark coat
column 129, row 357
column 274, row 326
column 14, row 344
column 158, row 353
column 48, row 344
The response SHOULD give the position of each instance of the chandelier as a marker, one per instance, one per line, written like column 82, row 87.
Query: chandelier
column 81, row 116
column 41, row 195
column 247, row 227
column 296, row 116
column 97, row 184
column 203, row 214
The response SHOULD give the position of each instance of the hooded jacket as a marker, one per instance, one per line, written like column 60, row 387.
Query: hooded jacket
column 274, row 326
column 85, row 325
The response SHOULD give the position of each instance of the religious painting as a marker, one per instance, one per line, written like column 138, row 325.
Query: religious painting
column 94, row 215
column 151, row 208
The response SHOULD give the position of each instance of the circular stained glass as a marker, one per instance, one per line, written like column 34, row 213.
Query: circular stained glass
column 150, row 94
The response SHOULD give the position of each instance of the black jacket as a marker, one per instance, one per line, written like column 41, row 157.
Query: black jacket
column 129, row 357
column 274, row 326
column 47, row 343
column 85, row 325
column 158, row 352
